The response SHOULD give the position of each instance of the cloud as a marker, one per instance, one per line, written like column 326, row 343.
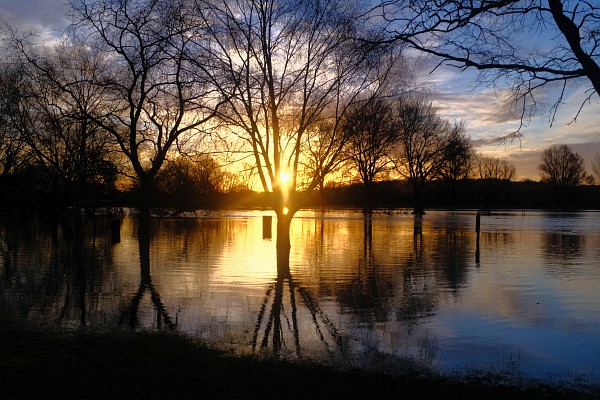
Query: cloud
column 489, row 114
column 49, row 16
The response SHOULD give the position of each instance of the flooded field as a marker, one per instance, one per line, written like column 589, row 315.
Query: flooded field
column 372, row 291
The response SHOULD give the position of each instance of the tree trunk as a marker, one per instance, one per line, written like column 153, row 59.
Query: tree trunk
column 145, row 203
column 418, row 198
column 571, row 32
column 283, row 235
column 367, row 196
column 322, row 194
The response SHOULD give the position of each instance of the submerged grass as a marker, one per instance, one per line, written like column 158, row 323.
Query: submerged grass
column 170, row 366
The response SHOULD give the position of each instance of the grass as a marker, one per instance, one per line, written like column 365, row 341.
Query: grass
column 169, row 366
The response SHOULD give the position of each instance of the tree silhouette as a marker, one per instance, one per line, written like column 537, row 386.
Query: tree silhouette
column 157, row 90
column 564, row 169
column 295, row 67
column 370, row 134
column 488, row 36
column 13, row 150
column 458, row 160
column 71, row 151
column 421, row 145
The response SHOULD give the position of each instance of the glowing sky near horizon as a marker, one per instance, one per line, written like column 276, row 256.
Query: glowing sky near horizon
column 456, row 94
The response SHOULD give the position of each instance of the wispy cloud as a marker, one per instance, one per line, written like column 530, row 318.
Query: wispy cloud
column 489, row 114
column 48, row 16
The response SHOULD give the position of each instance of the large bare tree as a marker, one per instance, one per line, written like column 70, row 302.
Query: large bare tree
column 371, row 134
column 561, row 166
column 297, row 67
column 528, row 44
column 159, row 89
column 421, row 146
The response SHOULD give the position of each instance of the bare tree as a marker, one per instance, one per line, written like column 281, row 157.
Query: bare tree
column 297, row 68
column 13, row 149
column 458, row 159
column 371, row 132
column 459, row 154
column 494, row 175
column 319, row 140
column 596, row 165
column 75, row 153
column 420, row 151
column 564, row 169
column 365, row 131
column 488, row 36
column 188, row 184
column 159, row 91
column 492, row 168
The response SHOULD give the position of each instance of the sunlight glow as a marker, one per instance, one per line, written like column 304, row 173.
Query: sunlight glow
column 284, row 178
column 285, row 210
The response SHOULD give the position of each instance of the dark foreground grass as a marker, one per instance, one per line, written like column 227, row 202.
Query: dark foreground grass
column 168, row 366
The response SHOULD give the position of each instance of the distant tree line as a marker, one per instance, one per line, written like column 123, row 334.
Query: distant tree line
column 471, row 195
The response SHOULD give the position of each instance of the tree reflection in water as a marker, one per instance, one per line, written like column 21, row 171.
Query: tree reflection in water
column 419, row 297
column 369, row 292
column 55, row 268
column 275, row 323
column 563, row 247
column 131, row 313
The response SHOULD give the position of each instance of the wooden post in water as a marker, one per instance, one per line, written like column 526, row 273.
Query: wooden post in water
column 477, row 229
column 267, row 221
column 115, row 230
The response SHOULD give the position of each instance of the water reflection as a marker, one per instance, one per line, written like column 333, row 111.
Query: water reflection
column 355, row 287
column 369, row 290
column 57, row 269
column 146, row 286
column 562, row 247
column 282, row 299
column 418, row 296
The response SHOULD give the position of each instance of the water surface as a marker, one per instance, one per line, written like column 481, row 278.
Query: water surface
column 372, row 291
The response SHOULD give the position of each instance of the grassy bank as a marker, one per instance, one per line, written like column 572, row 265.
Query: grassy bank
column 167, row 366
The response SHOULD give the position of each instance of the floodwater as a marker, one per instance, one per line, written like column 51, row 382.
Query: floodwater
column 376, row 291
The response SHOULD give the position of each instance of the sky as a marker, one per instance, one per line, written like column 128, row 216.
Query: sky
column 488, row 116
column 455, row 94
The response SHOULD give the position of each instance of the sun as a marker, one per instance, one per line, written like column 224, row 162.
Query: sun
column 285, row 183
column 284, row 179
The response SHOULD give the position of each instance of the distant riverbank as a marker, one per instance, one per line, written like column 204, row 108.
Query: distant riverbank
column 158, row 365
